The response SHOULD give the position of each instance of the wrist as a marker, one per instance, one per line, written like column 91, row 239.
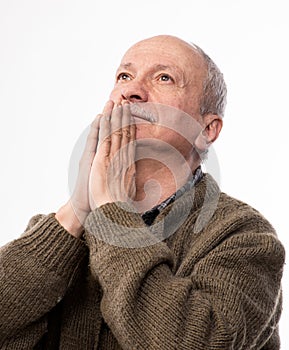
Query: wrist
column 68, row 219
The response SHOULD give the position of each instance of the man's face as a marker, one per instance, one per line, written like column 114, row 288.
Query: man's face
column 167, row 71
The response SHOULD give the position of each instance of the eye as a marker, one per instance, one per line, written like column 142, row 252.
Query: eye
column 123, row 76
column 165, row 78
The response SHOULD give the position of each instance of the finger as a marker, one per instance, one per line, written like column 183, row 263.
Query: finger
column 132, row 142
column 132, row 129
column 108, row 108
column 126, row 124
column 129, row 150
column 128, row 137
column 132, row 145
column 104, row 129
column 103, row 146
column 116, row 132
column 91, row 143
column 92, row 138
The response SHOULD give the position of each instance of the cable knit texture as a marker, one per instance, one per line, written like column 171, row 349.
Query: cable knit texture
column 206, row 275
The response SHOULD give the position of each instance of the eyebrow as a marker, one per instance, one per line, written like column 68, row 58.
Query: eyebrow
column 163, row 67
column 125, row 65
column 156, row 67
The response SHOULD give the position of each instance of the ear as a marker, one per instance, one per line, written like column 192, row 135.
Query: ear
column 212, row 126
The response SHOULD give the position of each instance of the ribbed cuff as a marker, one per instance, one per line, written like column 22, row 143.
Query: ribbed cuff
column 119, row 225
column 52, row 246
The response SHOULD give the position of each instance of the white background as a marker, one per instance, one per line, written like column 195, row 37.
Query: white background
column 57, row 64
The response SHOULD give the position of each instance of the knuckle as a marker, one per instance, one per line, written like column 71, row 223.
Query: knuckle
column 107, row 139
column 126, row 132
column 117, row 133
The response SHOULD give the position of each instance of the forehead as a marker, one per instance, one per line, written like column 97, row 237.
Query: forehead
column 165, row 51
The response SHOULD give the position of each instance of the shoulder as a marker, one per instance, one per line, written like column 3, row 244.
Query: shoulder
column 231, row 210
column 229, row 222
column 240, row 228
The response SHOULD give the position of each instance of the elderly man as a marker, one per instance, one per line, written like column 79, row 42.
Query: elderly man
column 147, row 253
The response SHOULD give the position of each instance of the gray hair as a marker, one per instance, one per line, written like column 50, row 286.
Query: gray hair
column 214, row 97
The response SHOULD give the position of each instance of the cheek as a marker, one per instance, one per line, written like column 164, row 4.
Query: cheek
column 173, row 137
column 176, row 100
column 184, row 104
column 171, row 100
column 187, row 101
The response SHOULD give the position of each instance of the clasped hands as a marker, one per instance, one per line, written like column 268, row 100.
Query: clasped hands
column 107, row 166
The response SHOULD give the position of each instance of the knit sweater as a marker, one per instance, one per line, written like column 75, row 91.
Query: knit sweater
column 206, row 275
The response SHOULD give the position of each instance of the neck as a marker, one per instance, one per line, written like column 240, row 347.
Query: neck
column 155, row 181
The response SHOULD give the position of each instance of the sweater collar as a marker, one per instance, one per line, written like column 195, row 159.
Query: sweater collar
column 196, row 206
column 150, row 215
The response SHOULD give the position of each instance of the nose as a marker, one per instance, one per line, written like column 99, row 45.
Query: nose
column 134, row 92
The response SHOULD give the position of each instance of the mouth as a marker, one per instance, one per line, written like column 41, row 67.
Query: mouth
column 142, row 113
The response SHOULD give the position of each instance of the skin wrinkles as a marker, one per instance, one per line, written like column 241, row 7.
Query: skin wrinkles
column 188, row 65
column 143, row 64
column 174, row 72
column 147, row 161
column 142, row 79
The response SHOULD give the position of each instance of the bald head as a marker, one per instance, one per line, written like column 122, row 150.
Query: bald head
column 168, row 40
column 167, row 70
column 214, row 92
column 171, row 46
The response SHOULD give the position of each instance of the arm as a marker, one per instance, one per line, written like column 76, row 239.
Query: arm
column 37, row 269
column 228, row 298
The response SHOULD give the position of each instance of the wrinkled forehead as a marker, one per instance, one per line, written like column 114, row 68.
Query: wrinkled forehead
column 166, row 50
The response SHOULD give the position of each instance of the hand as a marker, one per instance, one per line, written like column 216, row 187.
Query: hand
column 112, row 176
column 73, row 214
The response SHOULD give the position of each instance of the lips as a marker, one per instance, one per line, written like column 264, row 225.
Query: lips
column 138, row 120
column 141, row 113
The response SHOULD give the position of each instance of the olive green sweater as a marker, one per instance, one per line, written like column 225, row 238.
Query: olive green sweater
column 206, row 275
